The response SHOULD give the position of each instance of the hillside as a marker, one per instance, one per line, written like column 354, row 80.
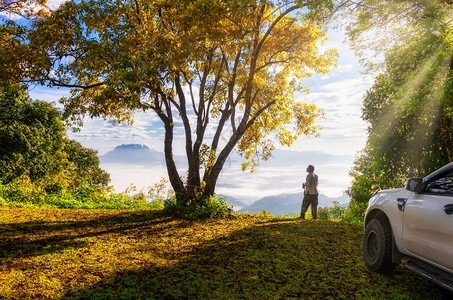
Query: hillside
column 143, row 254
column 288, row 204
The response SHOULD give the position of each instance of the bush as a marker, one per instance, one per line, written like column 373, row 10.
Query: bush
column 210, row 207
column 85, row 192
column 22, row 190
column 323, row 213
column 353, row 213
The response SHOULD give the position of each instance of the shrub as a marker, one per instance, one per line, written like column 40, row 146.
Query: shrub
column 85, row 192
column 353, row 213
column 58, row 201
column 265, row 213
column 22, row 190
column 210, row 207
column 323, row 213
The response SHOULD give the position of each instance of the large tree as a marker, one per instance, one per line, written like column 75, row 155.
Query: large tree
column 409, row 107
column 214, row 70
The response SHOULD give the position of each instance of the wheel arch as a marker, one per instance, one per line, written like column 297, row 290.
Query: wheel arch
column 382, row 217
column 376, row 214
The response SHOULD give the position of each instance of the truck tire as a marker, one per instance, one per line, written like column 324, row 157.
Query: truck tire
column 377, row 246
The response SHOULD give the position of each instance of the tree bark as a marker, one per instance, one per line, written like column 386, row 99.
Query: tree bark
column 193, row 160
column 167, row 119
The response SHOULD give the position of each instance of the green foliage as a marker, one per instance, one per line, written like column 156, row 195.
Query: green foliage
column 22, row 192
column 375, row 27
column 209, row 207
column 144, row 254
column 323, row 213
column 35, row 145
column 84, row 167
column 32, row 136
column 408, row 112
column 409, row 106
column 353, row 213
column 160, row 192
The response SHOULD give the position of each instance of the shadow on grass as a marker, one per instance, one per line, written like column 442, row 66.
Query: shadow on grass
column 272, row 260
column 27, row 239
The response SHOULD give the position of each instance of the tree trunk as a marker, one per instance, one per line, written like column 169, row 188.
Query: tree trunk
column 173, row 174
column 211, row 177
column 192, row 154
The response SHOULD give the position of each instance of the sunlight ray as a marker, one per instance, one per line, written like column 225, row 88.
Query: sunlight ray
column 410, row 88
column 432, row 108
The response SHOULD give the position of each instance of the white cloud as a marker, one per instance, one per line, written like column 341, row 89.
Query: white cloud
column 345, row 68
column 54, row 4
column 105, row 135
column 50, row 95
column 343, row 131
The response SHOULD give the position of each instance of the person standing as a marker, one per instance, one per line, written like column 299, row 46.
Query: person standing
column 310, row 193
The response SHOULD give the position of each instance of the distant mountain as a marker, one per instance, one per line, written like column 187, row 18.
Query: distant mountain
column 133, row 154
column 289, row 204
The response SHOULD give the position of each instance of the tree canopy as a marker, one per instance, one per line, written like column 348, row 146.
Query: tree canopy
column 376, row 27
column 35, row 144
column 214, row 70
column 16, row 57
column 24, row 8
column 409, row 106
column 30, row 135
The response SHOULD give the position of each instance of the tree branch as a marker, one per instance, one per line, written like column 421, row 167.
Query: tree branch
column 59, row 83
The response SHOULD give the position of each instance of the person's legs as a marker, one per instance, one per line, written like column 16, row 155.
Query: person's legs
column 314, row 206
column 305, row 205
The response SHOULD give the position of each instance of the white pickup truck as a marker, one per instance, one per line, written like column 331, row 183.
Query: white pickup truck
column 413, row 226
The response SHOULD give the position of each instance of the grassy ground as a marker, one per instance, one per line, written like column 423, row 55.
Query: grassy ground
column 143, row 254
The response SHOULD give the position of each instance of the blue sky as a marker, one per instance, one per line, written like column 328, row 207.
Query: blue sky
column 338, row 93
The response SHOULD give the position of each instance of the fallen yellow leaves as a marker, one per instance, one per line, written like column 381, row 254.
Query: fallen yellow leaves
column 46, row 253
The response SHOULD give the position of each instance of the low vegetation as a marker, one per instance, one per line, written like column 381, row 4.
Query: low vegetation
column 144, row 253
column 22, row 192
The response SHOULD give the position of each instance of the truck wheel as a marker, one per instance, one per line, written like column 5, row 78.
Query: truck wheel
column 377, row 246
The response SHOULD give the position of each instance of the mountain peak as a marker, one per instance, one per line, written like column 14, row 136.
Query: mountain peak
column 135, row 154
column 132, row 147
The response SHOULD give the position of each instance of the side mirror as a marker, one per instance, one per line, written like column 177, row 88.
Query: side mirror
column 414, row 184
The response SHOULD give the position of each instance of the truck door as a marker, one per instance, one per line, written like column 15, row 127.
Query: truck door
column 428, row 223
